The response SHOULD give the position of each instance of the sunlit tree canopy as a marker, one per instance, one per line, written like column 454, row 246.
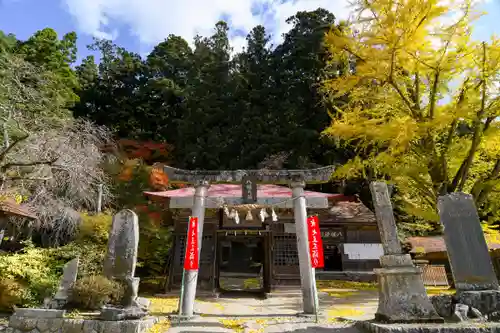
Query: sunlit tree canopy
column 423, row 100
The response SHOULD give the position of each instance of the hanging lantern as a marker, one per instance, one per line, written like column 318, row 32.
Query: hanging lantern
column 249, row 216
column 236, row 217
column 273, row 215
column 263, row 214
column 226, row 211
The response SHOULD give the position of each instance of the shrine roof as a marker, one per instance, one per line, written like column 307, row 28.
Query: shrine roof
column 235, row 190
column 11, row 207
column 349, row 210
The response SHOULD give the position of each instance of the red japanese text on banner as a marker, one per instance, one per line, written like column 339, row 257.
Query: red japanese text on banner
column 315, row 243
column 191, row 258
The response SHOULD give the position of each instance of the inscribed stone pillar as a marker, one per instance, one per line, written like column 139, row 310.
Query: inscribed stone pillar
column 385, row 218
column 191, row 276
column 402, row 295
column 70, row 272
column 307, row 276
column 121, row 259
column 468, row 253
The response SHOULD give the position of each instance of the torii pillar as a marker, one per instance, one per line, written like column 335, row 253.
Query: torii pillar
column 297, row 179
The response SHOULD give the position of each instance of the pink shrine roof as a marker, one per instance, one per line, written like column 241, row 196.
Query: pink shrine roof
column 231, row 194
column 234, row 190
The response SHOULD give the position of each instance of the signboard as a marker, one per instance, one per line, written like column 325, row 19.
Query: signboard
column 332, row 234
column 357, row 251
column 249, row 190
column 315, row 243
column 191, row 258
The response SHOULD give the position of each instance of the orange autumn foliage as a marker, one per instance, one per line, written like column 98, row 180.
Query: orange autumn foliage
column 148, row 151
column 126, row 174
column 158, row 179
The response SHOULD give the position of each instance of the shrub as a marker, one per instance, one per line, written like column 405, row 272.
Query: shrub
column 11, row 294
column 90, row 245
column 94, row 228
column 91, row 256
column 34, row 268
column 38, row 270
column 92, row 292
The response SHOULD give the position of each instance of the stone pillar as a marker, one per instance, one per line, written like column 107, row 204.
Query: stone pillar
column 402, row 295
column 385, row 218
column 191, row 276
column 307, row 276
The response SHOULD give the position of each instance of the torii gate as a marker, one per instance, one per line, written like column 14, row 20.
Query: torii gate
column 201, row 179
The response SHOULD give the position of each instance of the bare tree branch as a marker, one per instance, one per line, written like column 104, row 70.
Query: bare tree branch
column 27, row 164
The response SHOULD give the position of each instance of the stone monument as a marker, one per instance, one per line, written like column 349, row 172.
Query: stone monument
column 120, row 264
column 475, row 279
column 402, row 295
column 70, row 273
column 467, row 249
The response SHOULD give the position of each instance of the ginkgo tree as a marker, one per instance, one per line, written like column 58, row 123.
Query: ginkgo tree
column 422, row 102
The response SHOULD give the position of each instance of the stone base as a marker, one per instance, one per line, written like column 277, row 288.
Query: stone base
column 486, row 301
column 19, row 324
column 402, row 295
column 308, row 315
column 131, row 290
column 372, row 327
column 178, row 317
column 483, row 304
column 116, row 314
column 57, row 303
column 39, row 313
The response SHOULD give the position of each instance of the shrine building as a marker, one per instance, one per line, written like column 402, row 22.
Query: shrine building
column 255, row 249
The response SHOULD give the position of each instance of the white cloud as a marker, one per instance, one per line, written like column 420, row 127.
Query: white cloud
column 153, row 20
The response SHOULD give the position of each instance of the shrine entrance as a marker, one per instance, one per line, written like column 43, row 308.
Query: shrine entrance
column 242, row 263
column 245, row 195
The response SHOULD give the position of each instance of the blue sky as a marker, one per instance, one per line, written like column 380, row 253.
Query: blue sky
column 139, row 24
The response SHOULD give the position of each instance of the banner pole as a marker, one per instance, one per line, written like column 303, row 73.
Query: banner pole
column 316, row 299
column 184, row 269
column 182, row 291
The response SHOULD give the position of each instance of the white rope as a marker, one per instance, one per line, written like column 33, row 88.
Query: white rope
column 234, row 214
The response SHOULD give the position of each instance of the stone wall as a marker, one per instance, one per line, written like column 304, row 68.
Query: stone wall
column 18, row 324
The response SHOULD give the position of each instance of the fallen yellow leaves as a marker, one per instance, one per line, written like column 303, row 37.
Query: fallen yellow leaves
column 164, row 304
column 237, row 325
column 251, row 283
column 339, row 293
column 343, row 312
column 337, row 284
column 160, row 327
column 439, row 291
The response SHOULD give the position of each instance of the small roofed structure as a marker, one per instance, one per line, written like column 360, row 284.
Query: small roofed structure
column 268, row 247
column 435, row 244
column 10, row 207
column 347, row 211
column 432, row 251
